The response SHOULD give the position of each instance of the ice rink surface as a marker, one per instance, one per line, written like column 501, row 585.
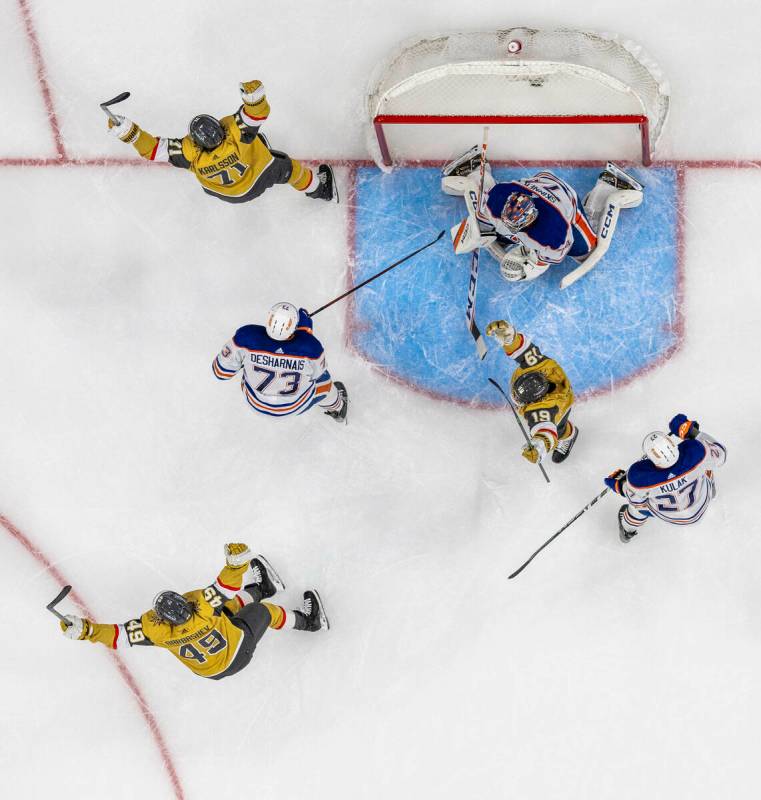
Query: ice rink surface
column 603, row 671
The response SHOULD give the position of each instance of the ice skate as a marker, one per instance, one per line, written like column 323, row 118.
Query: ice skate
column 564, row 446
column 339, row 415
column 455, row 178
column 263, row 578
column 314, row 616
column 327, row 189
column 615, row 176
column 623, row 534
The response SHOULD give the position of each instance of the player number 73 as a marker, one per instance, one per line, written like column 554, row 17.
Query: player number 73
column 293, row 378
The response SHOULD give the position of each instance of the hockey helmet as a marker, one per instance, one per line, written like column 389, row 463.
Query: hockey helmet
column 282, row 321
column 530, row 387
column 518, row 212
column 206, row 131
column 661, row 449
column 172, row 607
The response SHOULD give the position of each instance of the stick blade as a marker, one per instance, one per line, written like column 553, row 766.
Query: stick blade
column 57, row 599
column 118, row 99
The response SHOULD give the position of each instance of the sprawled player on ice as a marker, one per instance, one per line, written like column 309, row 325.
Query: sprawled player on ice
column 213, row 631
column 283, row 366
column 542, row 393
column 229, row 157
column 531, row 223
column 674, row 481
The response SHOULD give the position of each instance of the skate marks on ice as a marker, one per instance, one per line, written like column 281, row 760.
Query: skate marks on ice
column 616, row 323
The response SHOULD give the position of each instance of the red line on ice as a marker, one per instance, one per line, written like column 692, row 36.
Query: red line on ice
column 39, row 65
column 148, row 715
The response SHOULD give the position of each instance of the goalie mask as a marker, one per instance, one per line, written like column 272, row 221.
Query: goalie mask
column 172, row 607
column 530, row 387
column 282, row 321
column 518, row 212
column 660, row 449
column 206, row 131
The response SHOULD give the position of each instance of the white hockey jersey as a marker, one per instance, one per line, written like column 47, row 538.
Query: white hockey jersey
column 551, row 235
column 680, row 494
column 278, row 378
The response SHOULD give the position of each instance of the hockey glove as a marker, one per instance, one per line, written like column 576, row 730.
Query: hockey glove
column 252, row 92
column 502, row 331
column 126, row 129
column 684, row 428
column 530, row 453
column 237, row 555
column 616, row 481
column 78, row 628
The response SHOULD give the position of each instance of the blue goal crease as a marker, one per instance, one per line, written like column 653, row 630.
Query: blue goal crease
column 615, row 322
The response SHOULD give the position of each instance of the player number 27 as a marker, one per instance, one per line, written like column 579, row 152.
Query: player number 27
column 670, row 502
column 212, row 643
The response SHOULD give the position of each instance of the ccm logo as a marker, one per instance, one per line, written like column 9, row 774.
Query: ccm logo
column 606, row 222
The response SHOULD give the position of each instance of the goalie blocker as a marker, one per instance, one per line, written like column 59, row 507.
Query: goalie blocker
column 528, row 225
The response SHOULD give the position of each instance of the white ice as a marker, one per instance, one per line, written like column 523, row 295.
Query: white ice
column 603, row 671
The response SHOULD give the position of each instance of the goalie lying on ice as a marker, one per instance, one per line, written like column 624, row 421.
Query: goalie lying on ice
column 542, row 392
column 531, row 223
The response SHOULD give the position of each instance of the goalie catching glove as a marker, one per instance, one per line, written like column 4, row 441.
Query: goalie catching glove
column 518, row 264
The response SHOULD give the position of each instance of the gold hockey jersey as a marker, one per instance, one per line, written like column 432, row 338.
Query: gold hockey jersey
column 546, row 417
column 232, row 169
column 207, row 643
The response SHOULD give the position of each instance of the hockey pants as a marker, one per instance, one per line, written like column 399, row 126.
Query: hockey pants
column 253, row 620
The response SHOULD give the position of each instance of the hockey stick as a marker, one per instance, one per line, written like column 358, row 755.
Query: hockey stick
column 55, row 601
column 555, row 535
column 378, row 274
column 518, row 421
column 113, row 101
column 470, row 310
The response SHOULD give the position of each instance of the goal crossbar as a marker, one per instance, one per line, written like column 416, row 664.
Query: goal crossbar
column 640, row 120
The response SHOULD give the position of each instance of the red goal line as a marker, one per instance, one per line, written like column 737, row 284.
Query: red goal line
column 511, row 119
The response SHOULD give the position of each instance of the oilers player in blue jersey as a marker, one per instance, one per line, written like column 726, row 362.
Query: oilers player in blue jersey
column 675, row 481
column 529, row 224
column 283, row 366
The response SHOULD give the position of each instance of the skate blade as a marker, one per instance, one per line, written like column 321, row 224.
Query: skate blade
column 614, row 169
column 277, row 581
column 447, row 168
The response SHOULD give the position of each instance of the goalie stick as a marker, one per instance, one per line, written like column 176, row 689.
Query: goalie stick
column 555, row 535
column 470, row 311
column 55, row 601
column 112, row 102
column 518, row 421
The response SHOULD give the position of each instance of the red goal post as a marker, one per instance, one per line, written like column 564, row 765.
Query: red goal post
column 518, row 76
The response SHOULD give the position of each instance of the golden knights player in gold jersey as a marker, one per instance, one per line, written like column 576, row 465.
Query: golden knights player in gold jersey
column 542, row 392
column 229, row 157
column 213, row 631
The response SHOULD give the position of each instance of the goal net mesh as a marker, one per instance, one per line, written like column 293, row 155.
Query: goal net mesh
column 564, row 74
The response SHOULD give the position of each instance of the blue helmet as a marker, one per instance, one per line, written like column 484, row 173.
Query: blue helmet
column 518, row 212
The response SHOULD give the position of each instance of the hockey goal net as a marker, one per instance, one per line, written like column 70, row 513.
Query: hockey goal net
column 514, row 76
